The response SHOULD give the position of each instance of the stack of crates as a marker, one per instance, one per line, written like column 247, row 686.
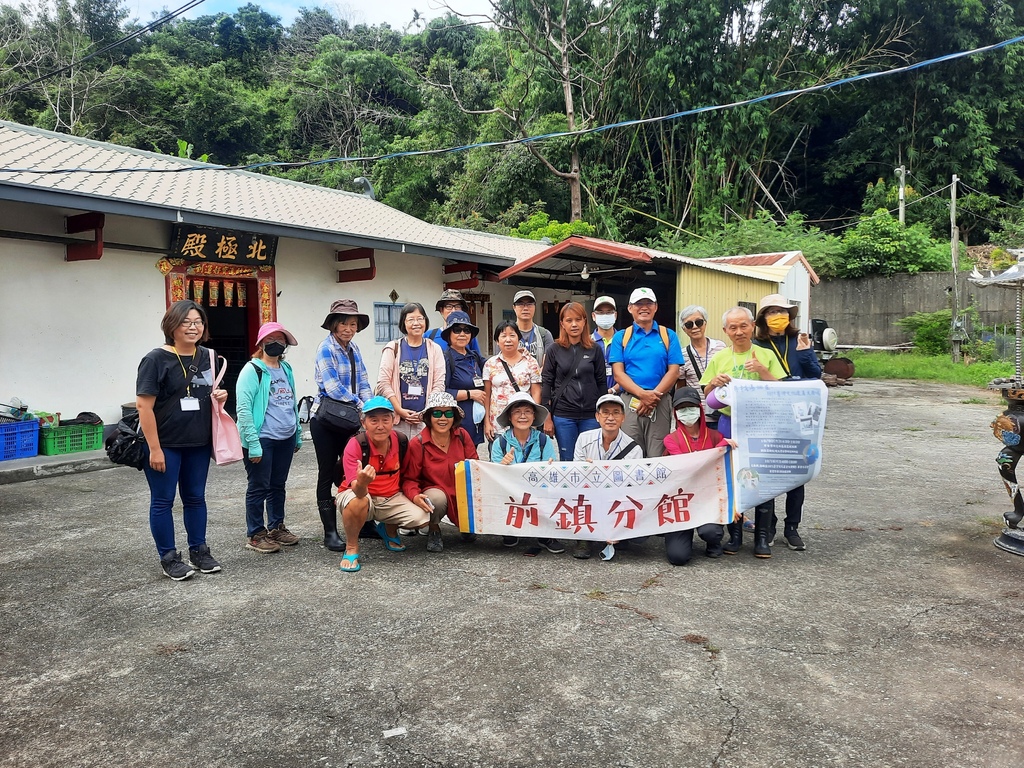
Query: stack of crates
column 19, row 439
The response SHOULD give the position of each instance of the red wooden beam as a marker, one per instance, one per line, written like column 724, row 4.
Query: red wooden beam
column 86, row 250
column 460, row 285
column 462, row 266
column 358, row 274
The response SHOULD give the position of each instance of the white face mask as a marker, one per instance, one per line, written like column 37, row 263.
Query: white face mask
column 604, row 321
column 689, row 415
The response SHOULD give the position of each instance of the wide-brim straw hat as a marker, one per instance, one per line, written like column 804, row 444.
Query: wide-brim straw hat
column 347, row 308
column 540, row 413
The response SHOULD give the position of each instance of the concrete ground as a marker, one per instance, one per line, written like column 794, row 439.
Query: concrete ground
column 890, row 642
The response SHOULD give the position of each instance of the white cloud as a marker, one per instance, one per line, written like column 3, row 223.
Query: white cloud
column 397, row 13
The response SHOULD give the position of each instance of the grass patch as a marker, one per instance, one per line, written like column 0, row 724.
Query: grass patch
column 974, row 401
column 912, row 365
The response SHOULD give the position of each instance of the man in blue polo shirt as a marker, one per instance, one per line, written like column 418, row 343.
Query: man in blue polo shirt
column 645, row 360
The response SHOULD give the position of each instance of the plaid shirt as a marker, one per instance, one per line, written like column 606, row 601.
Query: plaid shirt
column 333, row 373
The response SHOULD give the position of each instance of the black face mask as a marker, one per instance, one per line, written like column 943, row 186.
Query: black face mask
column 275, row 348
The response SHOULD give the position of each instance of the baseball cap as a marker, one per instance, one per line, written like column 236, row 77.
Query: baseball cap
column 642, row 293
column 377, row 403
column 686, row 396
column 610, row 399
column 520, row 295
column 604, row 300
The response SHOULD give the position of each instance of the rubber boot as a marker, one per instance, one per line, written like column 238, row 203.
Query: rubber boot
column 329, row 517
column 732, row 546
column 762, row 531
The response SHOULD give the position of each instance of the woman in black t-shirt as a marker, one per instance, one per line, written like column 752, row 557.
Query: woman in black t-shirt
column 173, row 392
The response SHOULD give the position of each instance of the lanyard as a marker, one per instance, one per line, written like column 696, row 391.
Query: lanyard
column 611, row 448
column 781, row 355
column 184, row 373
column 701, row 442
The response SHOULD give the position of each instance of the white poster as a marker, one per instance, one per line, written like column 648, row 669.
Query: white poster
column 604, row 501
column 779, row 427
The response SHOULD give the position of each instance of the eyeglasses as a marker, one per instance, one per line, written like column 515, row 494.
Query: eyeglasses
column 451, row 306
column 698, row 323
column 460, row 329
column 192, row 323
column 446, row 414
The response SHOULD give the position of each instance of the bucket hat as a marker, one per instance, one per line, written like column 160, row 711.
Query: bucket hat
column 346, row 307
column 540, row 413
column 441, row 400
column 449, row 295
column 268, row 328
column 776, row 300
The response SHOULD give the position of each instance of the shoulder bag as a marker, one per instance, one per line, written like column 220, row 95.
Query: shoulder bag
column 341, row 415
column 227, row 445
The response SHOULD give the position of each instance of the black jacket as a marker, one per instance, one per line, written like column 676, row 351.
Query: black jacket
column 572, row 380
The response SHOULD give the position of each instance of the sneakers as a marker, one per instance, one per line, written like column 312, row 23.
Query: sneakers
column 434, row 543
column 794, row 541
column 582, row 550
column 263, row 543
column 283, row 536
column 469, row 538
column 510, row 541
column 174, row 568
column 554, row 546
column 201, row 558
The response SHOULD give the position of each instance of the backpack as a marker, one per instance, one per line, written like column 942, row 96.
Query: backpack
column 503, row 443
column 403, row 448
column 662, row 331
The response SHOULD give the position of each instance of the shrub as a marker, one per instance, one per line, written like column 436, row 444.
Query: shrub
column 930, row 331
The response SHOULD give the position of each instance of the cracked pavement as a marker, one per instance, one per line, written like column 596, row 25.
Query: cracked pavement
column 889, row 642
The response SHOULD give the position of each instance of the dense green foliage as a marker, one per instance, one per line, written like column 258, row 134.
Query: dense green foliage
column 930, row 331
column 776, row 175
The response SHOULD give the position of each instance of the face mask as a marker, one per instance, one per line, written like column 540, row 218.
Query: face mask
column 689, row 415
column 604, row 321
column 275, row 348
column 778, row 324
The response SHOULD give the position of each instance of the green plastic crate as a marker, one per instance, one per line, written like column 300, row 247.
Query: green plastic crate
column 60, row 440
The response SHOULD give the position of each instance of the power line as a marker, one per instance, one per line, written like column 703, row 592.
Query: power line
column 137, row 33
column 543, row 137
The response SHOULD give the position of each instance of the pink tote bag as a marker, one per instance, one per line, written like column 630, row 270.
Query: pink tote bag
column 227, row 445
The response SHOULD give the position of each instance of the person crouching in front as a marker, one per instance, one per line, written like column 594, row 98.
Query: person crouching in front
column 372, row 469
column 522, row 442
column 608, row 443
column 692, row 435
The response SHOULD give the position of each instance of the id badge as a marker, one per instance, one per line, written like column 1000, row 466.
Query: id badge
column 608, row 371
column 634, row 404
column 414, row 390
column 189, row 404
column 478, row 382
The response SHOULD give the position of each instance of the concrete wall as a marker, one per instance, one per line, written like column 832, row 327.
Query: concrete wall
column 863, row 310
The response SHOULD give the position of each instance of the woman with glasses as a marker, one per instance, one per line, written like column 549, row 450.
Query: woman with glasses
column 694, row 322
column 428, row 475
column 464, row 372
column 173, row 394
column 410, row 369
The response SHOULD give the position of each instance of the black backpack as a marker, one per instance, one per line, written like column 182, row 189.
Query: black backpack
column 403, row 448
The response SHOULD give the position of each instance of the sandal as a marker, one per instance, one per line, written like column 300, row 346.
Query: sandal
column 352, row 560
column 390, row 544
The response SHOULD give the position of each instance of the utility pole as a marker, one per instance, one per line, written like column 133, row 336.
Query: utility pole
column 901, row 172
column 956, row 335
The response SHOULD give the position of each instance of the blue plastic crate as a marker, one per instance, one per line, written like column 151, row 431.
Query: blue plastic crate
column 19, row 440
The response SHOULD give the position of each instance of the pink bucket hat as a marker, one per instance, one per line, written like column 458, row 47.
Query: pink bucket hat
column 268, row 328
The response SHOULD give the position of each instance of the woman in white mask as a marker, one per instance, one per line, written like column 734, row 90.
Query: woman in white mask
column 692, row 435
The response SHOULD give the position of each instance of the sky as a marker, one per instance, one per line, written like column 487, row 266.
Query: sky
column 397, row 13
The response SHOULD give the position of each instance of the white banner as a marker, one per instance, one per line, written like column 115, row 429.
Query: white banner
column 600, row 501
column 779, row 426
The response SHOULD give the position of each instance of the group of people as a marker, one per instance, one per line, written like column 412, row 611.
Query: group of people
column 391, row 446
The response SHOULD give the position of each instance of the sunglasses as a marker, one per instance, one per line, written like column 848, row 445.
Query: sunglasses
column 460, row 329
column 447, row 414
column 698, row 323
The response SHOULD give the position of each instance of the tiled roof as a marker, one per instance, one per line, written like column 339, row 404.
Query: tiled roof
column 161, row 189
column 516, row 248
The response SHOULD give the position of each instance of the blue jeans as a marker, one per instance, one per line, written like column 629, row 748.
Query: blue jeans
column 185, row 473
column 566, row 432
column 266, row 484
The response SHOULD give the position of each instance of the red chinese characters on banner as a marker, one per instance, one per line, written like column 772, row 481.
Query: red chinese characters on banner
column 520, row 512
column 674, row 508
column 625, row 512
column 575, row 517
